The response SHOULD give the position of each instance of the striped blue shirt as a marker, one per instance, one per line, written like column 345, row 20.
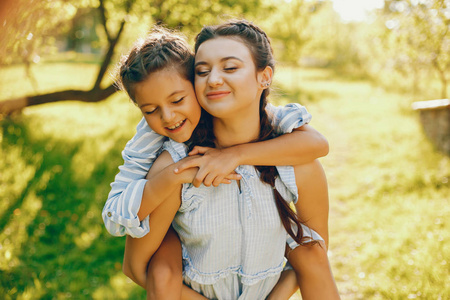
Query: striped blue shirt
column 120, row 211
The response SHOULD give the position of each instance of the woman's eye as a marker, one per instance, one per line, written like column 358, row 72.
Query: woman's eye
column 230, row 69
column 201, row 72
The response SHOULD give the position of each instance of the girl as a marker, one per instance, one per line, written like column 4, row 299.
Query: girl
column 175, row 129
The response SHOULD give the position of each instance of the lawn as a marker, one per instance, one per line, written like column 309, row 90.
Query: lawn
column 389, row 190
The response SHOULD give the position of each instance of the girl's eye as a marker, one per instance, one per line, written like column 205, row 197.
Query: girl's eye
column 178, row 101
column 149, row 112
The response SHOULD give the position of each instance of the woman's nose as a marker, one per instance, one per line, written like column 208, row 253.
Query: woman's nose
column 215, row 78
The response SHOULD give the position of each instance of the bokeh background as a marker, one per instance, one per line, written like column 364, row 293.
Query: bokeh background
column 358, row 66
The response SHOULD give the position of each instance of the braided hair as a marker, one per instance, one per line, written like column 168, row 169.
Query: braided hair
column 161, row 49
column 259, row 45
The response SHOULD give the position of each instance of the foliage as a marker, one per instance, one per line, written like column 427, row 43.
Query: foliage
column 389, row 217
column 417, row 39
column 110, row 16
column 389, row 228
column 33, row 28
column 289, row 27
column 30, row 28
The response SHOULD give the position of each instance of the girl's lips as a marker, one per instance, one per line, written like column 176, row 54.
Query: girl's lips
column 217, row 94
column 178, row 126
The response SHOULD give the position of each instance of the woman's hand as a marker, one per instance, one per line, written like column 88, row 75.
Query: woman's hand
column 215, row 166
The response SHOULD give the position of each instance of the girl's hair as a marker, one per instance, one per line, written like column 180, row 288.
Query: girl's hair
column 161, row 49
column 259, row 45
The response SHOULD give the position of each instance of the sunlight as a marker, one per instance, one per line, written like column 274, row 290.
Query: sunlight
column 356, row 10
column 15, row 232
column 84, row 240
column 119, row 288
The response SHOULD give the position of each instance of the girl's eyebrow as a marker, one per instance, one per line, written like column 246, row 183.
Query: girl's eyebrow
column 221, row 60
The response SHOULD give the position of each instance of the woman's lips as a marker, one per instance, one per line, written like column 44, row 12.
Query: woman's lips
column 217, row 94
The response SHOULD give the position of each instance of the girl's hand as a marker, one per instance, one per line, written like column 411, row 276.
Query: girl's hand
column 215, row 166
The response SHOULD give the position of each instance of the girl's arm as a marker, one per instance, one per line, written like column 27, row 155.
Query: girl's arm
column 120, row 210
column 301, row 146
column 162, row 277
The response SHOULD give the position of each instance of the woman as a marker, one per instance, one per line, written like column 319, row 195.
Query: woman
column 234, row 68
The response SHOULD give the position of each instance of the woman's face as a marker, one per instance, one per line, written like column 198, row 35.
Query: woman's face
column 167, row 101
column 226, row 81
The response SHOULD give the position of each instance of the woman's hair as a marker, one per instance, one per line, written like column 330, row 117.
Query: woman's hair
column 261, row 50
column 161, row 49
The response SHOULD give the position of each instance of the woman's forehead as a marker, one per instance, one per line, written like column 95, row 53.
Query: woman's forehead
column 223, row 47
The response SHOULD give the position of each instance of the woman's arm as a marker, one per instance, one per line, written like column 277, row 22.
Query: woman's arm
column 303, row 145
column 310, row 262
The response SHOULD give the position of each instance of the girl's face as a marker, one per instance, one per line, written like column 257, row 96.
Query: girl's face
column 167, row 101
column 226, row 81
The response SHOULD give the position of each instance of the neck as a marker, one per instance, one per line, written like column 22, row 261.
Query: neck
column 237, row 130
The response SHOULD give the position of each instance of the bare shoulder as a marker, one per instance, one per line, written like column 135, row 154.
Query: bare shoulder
column 163, row 160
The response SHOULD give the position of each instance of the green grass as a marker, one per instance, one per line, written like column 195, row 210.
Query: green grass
column 389, row 228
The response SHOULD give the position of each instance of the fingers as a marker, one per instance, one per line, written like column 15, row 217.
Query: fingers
column 214, row 179
column 200, row 178
column 233, row 176
column 199, row 150
column 192, row 163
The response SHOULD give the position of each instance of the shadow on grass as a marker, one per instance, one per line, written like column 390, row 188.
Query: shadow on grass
column 64, row 251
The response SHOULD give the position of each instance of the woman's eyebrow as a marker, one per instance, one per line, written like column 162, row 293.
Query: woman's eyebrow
column 221, row 60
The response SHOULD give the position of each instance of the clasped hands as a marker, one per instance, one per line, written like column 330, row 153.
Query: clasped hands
column 215, row 166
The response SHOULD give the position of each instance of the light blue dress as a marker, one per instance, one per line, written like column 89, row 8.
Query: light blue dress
column 232, row 237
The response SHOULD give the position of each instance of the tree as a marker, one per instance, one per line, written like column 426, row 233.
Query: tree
column 289, row 27
column 43, row 19
column 419, row 31
column 37, row 18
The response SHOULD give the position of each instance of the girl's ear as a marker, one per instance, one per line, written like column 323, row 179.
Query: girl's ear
column 265, row 77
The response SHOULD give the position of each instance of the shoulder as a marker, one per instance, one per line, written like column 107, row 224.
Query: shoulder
column 163, row 160
column 178, row 151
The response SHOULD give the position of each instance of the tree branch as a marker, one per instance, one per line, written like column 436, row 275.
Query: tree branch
column 103, row 18
column 108, row 56
column 94, row 95
column 112, row 41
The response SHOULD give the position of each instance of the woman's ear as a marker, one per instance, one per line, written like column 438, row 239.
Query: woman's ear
column 265, row 77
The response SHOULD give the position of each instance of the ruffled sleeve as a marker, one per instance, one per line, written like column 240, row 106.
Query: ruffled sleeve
column 286, row 118
column 177, row 151
column 286, row 184
column 309, row 234
column 190, row 195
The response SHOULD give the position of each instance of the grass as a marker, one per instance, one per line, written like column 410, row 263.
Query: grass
column 389, row 228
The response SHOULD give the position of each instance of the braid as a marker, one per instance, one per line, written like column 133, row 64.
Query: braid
column 268, row 174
